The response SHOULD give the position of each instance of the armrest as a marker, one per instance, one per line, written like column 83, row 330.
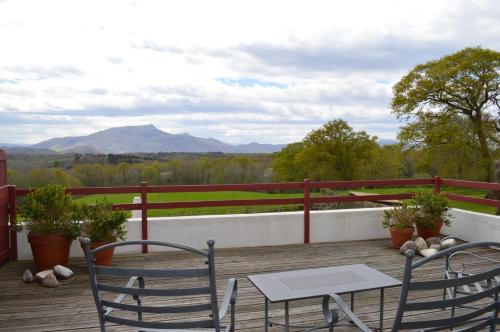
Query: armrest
column 229, row 297
column 347, row 311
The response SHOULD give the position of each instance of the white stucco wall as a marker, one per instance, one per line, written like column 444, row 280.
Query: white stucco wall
column 473, row 226
column 248, row 230
column 267, row 229
column 348, row 225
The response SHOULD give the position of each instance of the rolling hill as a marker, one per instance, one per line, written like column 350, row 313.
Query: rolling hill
column 147, row 138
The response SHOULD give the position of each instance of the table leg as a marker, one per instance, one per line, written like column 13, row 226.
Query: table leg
column 287, row 318
column 381, row 310
column 266, row 314
column 352, row 302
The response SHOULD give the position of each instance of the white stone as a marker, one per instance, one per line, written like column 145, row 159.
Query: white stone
column 408, row 245
column 428, row 252
column 448, row 243
column 50, row 281
column 435, row 246
column 27, row 276
column 43, row 274
column 421, row 244
column 63, row 272
column 433, row 240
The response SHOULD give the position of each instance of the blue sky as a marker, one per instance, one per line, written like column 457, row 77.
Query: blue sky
column 264, row 71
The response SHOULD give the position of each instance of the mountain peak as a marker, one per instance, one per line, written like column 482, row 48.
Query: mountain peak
column 147, row 138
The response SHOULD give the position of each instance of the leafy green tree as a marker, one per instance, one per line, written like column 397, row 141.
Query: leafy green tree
column 151, row 175
column 286, row 166
column 337, row 152
column 467, row 84
column 447, row 147
column 386, row 163
column 332, row 152
column 91, row 175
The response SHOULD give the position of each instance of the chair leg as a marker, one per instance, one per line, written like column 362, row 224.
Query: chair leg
column 137, row 298
column 233, row 309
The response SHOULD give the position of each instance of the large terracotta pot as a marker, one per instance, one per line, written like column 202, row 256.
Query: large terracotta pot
column 105, row 257
column 400, row 236
column 427, row 232
column 49, row 250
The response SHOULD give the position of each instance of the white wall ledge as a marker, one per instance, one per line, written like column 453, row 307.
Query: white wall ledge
column 282, row 228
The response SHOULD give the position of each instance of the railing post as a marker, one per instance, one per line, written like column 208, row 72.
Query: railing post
column 144, row 215
column 12, row 222
column 307, row 207
column 437, row 184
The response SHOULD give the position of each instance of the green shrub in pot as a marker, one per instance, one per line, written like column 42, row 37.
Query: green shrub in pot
column 400, row 221
column 102, row 225
column 433, row 212
column 49, row 216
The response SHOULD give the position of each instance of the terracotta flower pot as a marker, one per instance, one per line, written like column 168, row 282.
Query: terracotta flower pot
column 49, row 250
column 400, row 236
column 105, row 257
column 427, row 232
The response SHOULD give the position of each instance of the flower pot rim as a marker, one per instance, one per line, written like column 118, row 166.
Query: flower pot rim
column 30, row 234
column 436, row 223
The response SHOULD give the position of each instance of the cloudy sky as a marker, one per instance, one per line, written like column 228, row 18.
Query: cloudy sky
column 239, row 71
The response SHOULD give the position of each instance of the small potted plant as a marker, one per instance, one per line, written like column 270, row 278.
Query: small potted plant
column 102, row 225
column 400, row 222
column 49, row 217
column 433, row 212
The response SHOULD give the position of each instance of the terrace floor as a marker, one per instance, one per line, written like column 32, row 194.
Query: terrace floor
column 70, row 307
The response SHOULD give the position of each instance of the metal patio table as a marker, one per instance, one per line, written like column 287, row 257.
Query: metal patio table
column 320, row 282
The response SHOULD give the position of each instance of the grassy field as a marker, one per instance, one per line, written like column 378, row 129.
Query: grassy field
column 210, row 196
column 478, row 193
column 176, row 197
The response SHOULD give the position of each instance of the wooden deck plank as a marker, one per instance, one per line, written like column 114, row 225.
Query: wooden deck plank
column 70, row 307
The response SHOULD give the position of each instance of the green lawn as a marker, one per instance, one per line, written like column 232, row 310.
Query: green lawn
column 478, row 193
column 176, row 197
column 210, row 196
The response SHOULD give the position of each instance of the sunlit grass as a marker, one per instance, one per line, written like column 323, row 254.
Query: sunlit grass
column 233, row 195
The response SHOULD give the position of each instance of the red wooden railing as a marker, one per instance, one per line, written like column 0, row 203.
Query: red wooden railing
column 306, row 187
column 8, row 239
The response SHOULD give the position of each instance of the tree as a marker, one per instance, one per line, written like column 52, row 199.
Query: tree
column 466, row 83
column 332, row 152
column 448, row 147
column 285, row 165
column 337, row 152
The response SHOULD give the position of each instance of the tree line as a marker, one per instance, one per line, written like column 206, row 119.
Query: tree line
column 199, row 169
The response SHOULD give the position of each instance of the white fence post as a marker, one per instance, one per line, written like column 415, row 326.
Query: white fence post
column 136, row 213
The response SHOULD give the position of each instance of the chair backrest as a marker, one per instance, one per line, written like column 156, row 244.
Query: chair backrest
column 120, row 313
column 479, row 310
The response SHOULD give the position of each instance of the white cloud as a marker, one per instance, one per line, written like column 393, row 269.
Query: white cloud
column 75, row 67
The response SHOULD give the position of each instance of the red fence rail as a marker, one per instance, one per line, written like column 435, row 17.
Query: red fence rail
column 8, row 238
column 306, row 187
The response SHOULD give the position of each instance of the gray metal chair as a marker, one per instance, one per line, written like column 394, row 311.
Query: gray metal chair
column 131, row 314
column 456, row 268
column 479, row 309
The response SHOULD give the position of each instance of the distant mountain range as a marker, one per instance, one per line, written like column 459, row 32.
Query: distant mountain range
column 146, row 138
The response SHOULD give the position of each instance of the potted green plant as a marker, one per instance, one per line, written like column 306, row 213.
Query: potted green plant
column 49, row 217
column 400, row 221
column 433, row 212
column 102, row 225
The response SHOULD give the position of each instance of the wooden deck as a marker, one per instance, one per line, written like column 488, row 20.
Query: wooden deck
column 30, row 307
